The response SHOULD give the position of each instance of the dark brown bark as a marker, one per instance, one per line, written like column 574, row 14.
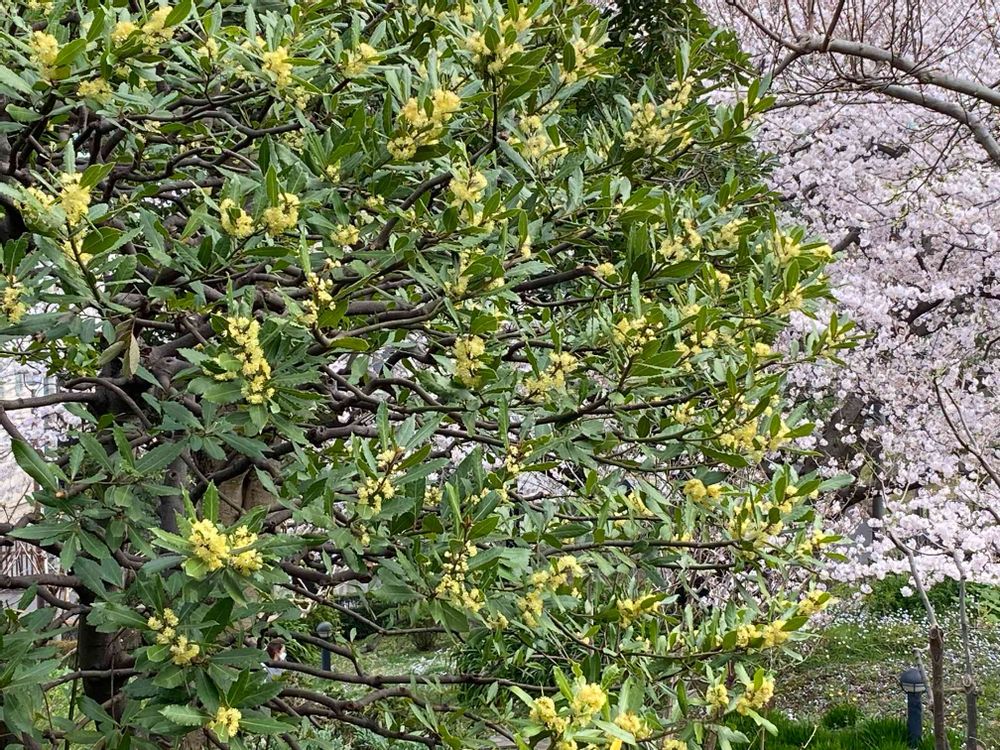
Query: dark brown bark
column 937, row 687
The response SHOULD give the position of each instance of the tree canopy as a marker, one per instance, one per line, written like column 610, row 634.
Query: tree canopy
column 415, row 312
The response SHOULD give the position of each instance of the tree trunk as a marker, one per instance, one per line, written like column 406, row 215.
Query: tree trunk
column 937, row 686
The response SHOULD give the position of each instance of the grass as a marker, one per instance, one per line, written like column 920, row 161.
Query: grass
column 859, row 657
column 871, row 734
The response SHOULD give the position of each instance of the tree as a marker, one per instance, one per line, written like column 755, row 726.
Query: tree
column 884, row 132
column 384, row 296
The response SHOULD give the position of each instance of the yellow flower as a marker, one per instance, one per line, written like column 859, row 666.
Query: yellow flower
column 183, row 652
column 756, row 698
column 605, row 270
column 634, row 724
column 244, row 561
column 467, row 351
column 155, row 29
column 234, row 220
column 98, row 89
column 73, row 198
column 669, row 743
column 358, row 60
column 284, row 216
column 467, row 185
column 226, row 723
column 717, row 697
column 446, row 103
column 44, row 50
column 695, row 489
column 277, row 65
column 154, row 623
column 256, row 370
column 346, row 234
column 166, row 636
column 122, row 31
column 209, row 544
column 588, row 699
column 774, row 634
column 543, row 710
column 10, row 302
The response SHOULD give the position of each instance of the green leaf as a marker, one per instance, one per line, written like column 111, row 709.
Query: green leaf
column 185, row 716
column 11, row 80
column 34, row 465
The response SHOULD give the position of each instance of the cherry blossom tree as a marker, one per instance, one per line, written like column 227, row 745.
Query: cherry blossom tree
column 885, row 134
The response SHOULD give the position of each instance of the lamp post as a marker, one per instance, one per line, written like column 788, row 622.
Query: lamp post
column 324, row 630
column 912, row 682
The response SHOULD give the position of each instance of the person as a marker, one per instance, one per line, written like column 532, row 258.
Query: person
column 275, row 652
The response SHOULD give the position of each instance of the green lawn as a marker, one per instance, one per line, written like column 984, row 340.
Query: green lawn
column 858, row 659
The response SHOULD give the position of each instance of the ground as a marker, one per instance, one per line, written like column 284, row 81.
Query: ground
column 858, row 657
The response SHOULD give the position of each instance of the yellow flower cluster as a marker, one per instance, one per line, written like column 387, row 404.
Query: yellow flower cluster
column 357, row 61
column 418, row 128
column 813, row 543
column 566, row 569
column 635, row 333
column 791, row 299
column 588, row 699
column 209, row 544
column 44, row 51
column 746, row 633
column 182, row 650
column 10, row 302
column 786, row 248
column 234, row 220
column 697, row 491
column 630, row 609
column 498, row 58
column 453, row 583
column 467, row 185
column 346, row 234
column 226, row 723
column 155, row 30
column 123, row 30
column 717, row 698
column 277, row 66
column 634, row 724
column 774, row 634
column 241, row 558
column 553, row 378
column 606, row 270
column 279, row 218
column 164, row 626
column 468, row 350
column 815, row 601
column 756, row 698
column 651, row 127
column 321, row 299
column 538, row 145
column 583, row 67
column 374, row 491
column 669, row 743
column 729, row 232
column 543, row 711
column 74, row 199
column 97, row 89
column 256, row 370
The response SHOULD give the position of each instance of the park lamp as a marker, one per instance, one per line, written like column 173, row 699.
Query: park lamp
column 324, row 630
column 913, row 685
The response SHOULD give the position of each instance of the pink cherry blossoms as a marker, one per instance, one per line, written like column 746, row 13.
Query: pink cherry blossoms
column 885, row 133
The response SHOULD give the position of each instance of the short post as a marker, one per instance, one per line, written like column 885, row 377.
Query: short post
column 912, row 682
column 324, row 630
